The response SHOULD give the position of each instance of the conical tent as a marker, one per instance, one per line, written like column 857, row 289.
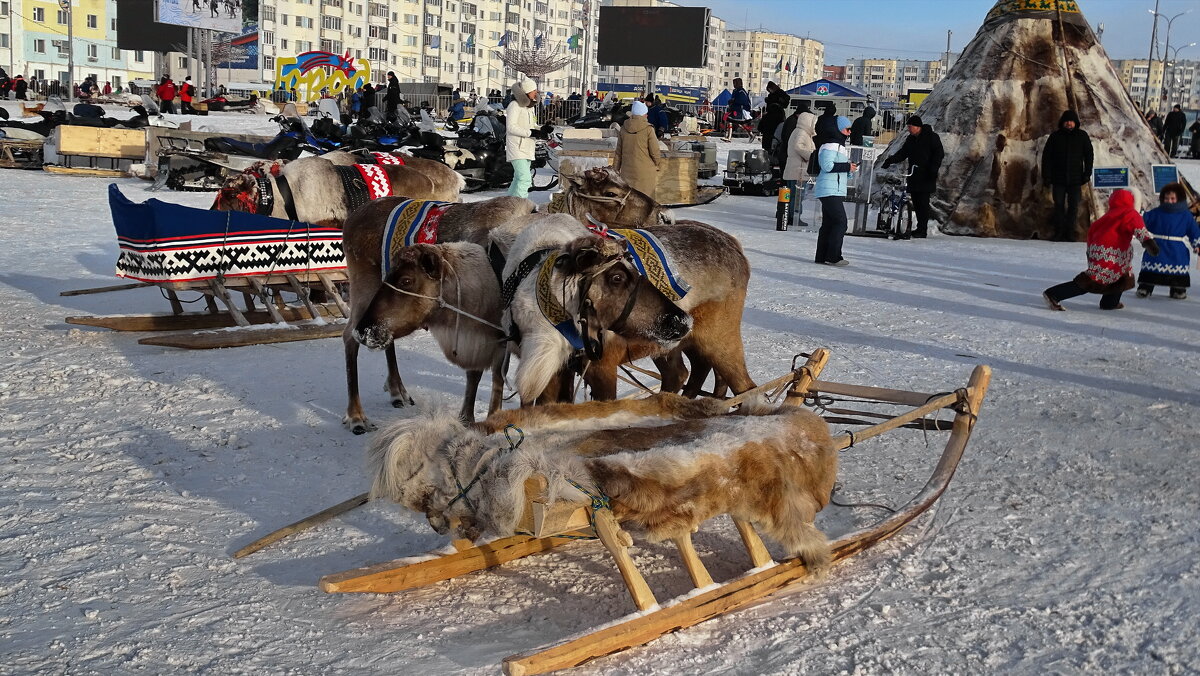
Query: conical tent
column 1030, row 61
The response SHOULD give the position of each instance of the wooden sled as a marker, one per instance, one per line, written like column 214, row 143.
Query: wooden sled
column 278, row 319
column 222, row 253
column 20, row 154
column 551, row 525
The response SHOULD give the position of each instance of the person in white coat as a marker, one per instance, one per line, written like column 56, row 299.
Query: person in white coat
column 519, row 120
column 800, row 147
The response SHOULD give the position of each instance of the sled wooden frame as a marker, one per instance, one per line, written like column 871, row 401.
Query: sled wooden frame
column 20, row 154
column 552, row 525
column 305, row 318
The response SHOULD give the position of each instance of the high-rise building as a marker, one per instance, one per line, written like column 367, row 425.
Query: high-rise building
column 435, row 41
column 707, row 77
column 889, row 79
column 34, row 43
column 759, row 57
column 1182, row 83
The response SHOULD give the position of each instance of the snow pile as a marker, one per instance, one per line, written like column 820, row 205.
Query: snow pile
column 1066, row 543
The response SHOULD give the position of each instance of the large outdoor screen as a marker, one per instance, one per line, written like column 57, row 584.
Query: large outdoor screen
column 137, row 29
column 653, row 36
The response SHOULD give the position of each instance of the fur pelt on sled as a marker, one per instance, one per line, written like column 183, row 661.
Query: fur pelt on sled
column 666, row 463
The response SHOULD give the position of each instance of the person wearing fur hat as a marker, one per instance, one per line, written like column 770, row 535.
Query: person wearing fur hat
column 830, row 188
column 923, row 150
column 519, row 146
column 1175, row 230
column 1109, row 255
column 1066, row 167
column 638, row 157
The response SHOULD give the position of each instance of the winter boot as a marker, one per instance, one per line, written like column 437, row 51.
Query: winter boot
column 1052, row 304
column 1178, row 292
column 1144, row 290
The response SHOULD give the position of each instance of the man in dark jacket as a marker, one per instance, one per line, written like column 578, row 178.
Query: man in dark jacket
column 1066, row 167
column 1173, row 130
column 1155, row 122
column 392, row 98
column 20, row 87
column 770, row 120
column 776, row 94
column 826, row 126
column 862, row 127
column 923, row 150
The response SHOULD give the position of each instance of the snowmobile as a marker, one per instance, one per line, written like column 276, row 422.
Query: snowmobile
column 190, row 164
column 478, row 153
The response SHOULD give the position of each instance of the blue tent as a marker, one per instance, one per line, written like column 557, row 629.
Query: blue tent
column 825, row 87
column 722, row 98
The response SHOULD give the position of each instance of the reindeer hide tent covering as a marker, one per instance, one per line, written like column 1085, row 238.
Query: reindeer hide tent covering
column 1030, row 61
column 665, row 471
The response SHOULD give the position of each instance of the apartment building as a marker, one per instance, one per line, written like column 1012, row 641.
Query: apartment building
column 888, row 79
column 708, row 77
column 759, row 57
column 33, row 43
column 434, row 41
column 1181, row 78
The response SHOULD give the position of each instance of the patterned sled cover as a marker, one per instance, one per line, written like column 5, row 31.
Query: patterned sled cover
column 163, row 242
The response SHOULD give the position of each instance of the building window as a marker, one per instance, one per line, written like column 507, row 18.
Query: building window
column 93, row 21
column 39, row 46
column 93, row 52
column 268, row 37
column 4, row 10
column 332, row 23
column 139, row 56
column 268, row 13
column 4, row 40
column 183, row 62
column 269, row 62
column 39, row 15
column 116, row 54
column 62, row 17
column 283, row 43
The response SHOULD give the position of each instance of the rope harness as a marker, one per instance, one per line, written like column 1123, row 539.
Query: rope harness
column 463, row 490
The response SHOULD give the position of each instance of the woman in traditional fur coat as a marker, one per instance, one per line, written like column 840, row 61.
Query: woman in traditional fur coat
column 1175, row 230
column 1109, row 254
column 638, row 156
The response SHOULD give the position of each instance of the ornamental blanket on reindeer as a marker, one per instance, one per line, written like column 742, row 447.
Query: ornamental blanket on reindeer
column 163, row 242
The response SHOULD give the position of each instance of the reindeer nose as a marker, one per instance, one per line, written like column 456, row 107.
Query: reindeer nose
column 676, row 325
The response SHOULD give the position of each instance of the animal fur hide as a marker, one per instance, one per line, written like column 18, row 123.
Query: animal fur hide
column 996, row 107
column 666, row 464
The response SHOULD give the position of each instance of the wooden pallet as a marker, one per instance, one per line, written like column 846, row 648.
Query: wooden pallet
column 555, row 524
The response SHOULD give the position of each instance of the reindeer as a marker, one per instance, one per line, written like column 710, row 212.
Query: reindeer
column 450, row 290
column 445, row 180
column 577, row 287
column 710, row 259
column 372, row 303
column 319, row 196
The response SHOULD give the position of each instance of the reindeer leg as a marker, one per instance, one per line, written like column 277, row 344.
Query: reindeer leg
column 395, row 386
column 700, row 370
column 355, row 420
column 672, row 369
column 498, row 369
column 467, row 414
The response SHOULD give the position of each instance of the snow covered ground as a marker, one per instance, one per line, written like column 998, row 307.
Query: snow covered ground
column 1066, row 544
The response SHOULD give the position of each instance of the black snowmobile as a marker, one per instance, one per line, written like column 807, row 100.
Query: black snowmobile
column 478, row 153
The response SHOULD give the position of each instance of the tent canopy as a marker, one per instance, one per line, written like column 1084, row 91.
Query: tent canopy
column 824, row 87
column 723, row 98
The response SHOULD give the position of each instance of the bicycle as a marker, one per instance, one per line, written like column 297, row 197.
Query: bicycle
column 896, row 210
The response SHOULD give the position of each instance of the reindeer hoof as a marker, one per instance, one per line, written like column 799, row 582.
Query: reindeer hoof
column 402, row 401
column 358, row 426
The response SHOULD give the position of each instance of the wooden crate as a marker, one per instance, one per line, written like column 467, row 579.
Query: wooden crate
column 676, row 177
column 110, row 143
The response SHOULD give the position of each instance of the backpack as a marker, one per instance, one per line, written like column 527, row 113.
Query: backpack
column 814, row 163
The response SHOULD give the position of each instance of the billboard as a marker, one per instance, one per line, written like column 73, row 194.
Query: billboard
column 217, row 15
column 239, row 51
column 137, row 30
column 653, row 36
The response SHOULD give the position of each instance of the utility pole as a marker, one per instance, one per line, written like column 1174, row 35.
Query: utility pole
column 1150, row 57
column 66, row 7
column 946, row 69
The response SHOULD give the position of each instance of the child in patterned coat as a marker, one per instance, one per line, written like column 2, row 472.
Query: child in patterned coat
column 1176, row 232
column 1109, row 254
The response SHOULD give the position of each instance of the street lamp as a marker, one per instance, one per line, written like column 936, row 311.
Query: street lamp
column 1174, row 53
column 1170, row 21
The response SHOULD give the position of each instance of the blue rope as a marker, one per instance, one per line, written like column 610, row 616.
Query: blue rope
column 462, row 491
column 599, row 501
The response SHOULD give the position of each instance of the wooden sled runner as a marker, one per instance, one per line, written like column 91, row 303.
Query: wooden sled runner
column 553, row 524
column 289, row 275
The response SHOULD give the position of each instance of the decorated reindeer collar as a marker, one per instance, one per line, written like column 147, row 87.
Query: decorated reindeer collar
column 649, row 257
column 265, row 202
column 410, row 222
column 552, row 309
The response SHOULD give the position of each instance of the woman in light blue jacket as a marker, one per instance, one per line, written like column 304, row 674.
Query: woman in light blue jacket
column 830, row 188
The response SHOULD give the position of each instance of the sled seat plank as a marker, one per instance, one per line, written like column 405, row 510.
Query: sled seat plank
column 876, row 393
column 210, row 340
column 400, row 575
